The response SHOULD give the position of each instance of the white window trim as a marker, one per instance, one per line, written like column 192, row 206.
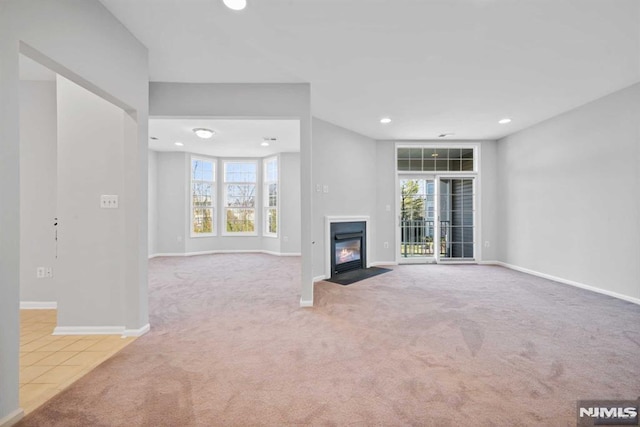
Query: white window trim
column 476, row 174
column 256, row 217
column 214, row 198
column 265, row 197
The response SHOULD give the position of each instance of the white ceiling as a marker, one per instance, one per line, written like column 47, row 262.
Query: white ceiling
column 233, row 138
column 433, row 66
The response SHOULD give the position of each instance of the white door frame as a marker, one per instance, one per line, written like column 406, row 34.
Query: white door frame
column 477, row 215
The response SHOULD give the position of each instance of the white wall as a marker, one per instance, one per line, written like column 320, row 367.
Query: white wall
column 568, row 201
column 386, row 183
column 90, row 266
column 153, row 202
column 82, row 41
column 291, row 101
column 38, row 157
column 291, row 218
column 345, row 162
column 172, row 196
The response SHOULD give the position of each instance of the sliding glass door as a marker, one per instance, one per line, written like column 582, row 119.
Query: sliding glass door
column 417, row 218
column 437, row 218
column 456, row 214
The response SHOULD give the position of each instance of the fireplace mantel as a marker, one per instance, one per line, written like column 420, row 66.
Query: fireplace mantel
column 328, row 220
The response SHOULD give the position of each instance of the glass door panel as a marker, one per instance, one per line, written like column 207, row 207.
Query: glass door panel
column 417, row 218
column 456, row 219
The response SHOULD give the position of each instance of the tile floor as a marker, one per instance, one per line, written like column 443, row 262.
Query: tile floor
column 50, row 363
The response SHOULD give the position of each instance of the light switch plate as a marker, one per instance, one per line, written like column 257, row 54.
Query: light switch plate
column 109, row 201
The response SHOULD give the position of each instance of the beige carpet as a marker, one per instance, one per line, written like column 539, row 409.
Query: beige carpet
column 426, row 345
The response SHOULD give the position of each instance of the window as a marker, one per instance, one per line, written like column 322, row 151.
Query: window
column 240, row 197
column 270, row 197
column 420, row 159
column 203, row 187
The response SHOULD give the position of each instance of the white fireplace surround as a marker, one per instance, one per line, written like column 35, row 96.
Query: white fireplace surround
column 330, row 219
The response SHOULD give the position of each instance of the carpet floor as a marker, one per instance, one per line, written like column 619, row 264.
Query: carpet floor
column 423, row 345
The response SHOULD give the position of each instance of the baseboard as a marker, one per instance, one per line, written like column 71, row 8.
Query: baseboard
column 319, row 278
column 565, row 281
column 306, row 303
column 240, row 251
column 381, row 263
column 12, row 418
column 137, row 332
column 89, row 330
column 38, row 305
column 280, row 253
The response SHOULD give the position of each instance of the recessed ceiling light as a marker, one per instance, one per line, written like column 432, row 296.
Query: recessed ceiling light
column 385, row 120
column 235, row 4
column 179, row 144
column 204, row 133
column 504, row 121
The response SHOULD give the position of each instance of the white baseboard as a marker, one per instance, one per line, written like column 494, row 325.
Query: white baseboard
column 38, row 305
column 565, row 281
column 89, row 330
column 12, row 418
column 137, row 332
column 248, row 251
column 381, row 263
column 306, row 303
column 319, row 278
column 280, row 253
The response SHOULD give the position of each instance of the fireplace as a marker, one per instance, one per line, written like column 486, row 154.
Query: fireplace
column 348, row 246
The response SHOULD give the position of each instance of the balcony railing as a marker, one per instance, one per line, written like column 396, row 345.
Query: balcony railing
column 417, row 237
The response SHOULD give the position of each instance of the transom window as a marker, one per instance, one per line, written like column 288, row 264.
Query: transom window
column 203, row 190
column 240, row 197
column 270, row 197
column 420, row 159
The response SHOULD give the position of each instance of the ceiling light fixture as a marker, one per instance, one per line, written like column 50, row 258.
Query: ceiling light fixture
column 235, row 4
column 385, row 120
column 155, row 138
column 203, row 133
column 504, row 121
column 444, row 135
column 179, row 144
column 266, row 140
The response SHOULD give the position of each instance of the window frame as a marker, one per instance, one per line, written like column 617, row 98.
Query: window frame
column 214, row 196
column 265, row 197
column 225, row 208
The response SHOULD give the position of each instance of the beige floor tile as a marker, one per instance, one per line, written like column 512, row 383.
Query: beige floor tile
column 81, row 345
column 87, row 358
column 33, row 346
column 56, row 358
column 109, row 344
column 29, row 373
column 28, row 359
column 58, row 375
column 55, row 346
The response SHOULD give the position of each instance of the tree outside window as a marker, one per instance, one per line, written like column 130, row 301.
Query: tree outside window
column 240, row 197
column 202, row 196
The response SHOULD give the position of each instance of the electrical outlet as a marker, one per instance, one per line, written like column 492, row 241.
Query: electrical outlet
column 318, row 188
column 40, row 272
column 386, row 245
column 109, row 201
column 388, row 208
column 486, row 244
column 325, row 188
column 48, row 272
